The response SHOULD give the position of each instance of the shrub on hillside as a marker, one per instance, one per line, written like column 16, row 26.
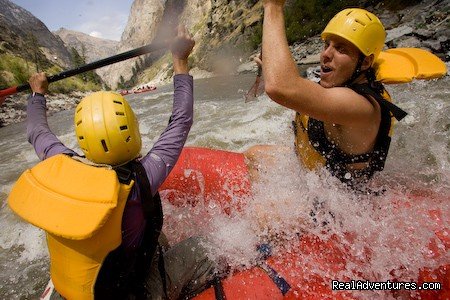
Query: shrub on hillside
column 308, row 18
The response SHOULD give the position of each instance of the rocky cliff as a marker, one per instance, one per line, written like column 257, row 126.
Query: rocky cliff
column 23, row 34
column 89, row 47
column 225, row 32
column 227, row 40
column 220, row 27
column 143, row 21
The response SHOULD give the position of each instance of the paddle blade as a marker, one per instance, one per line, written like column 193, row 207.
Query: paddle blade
column 7, row 92
column 402, row 65
column 256, row 90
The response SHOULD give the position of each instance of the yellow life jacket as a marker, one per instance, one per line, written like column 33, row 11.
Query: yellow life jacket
column 307, row 154
column 80, row 207
column 314, row 155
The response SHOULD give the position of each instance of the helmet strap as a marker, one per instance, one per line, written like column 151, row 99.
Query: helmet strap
column 371, row 79
column 357, row 71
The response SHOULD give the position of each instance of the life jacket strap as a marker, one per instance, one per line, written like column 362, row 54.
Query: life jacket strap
column 162, row 269
column 396, row 111
column 123, row 174
column 127, row 272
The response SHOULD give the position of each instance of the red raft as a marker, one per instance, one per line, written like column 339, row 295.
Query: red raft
column 145, row 89
column 124, row 92
column 223, row 176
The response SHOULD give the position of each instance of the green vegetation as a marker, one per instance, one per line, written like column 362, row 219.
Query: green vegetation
column 121, row 85
column 305, row 18
column 79, row 60
column 256, row 38
column 139, row 66
column 394, row 4
column 74, row 83
column 308, row 18
column 156, row 67
column 15, row 70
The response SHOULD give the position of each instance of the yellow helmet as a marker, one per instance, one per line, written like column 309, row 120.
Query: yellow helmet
column 106, row 129
column 360, row 27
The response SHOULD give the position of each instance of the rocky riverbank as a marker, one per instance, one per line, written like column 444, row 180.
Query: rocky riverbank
column 13, row 110
column 425, row 26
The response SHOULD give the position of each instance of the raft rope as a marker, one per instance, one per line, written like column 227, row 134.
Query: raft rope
column 279, row 281
column 266, row 250
column 218, row 289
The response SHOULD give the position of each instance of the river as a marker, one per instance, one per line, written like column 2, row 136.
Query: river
column 418, row 161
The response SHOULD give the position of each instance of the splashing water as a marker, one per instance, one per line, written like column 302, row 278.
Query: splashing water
column 392, row 236
column 377, row 237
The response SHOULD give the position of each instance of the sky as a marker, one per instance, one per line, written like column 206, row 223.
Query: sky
column 99, row 18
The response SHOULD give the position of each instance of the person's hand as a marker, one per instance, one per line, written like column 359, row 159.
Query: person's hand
column 182, row 44
column 38, row 83
column 258, row 60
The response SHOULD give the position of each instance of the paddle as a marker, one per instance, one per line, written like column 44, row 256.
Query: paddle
column 258, row 87
column 88, row 67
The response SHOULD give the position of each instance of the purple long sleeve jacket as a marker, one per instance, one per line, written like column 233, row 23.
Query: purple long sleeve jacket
column 158, row 162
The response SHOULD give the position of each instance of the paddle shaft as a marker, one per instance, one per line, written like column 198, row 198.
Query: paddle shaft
column 253, row 91
column 88, row 67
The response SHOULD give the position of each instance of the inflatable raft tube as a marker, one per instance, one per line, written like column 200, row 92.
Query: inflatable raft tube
column 204, row 175
column 214, row 175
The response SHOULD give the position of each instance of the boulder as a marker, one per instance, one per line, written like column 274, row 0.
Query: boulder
column 434, row 45
column 395, row 33
column 310, row 59
column 423, row 33
column 247, row 67
column 408, row 42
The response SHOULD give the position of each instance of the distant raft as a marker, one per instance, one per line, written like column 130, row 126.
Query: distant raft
column 124, row 92
column 144, row 89
column 139, row 90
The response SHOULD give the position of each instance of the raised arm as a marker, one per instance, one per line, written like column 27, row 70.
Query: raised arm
column 44, row 141
column 164, row 154
column 283, row 84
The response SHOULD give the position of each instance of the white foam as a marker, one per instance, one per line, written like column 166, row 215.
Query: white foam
column 22, row 237
column 385, row 235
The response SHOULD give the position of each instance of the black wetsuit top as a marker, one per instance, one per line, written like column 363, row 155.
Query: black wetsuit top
column 337, row 160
